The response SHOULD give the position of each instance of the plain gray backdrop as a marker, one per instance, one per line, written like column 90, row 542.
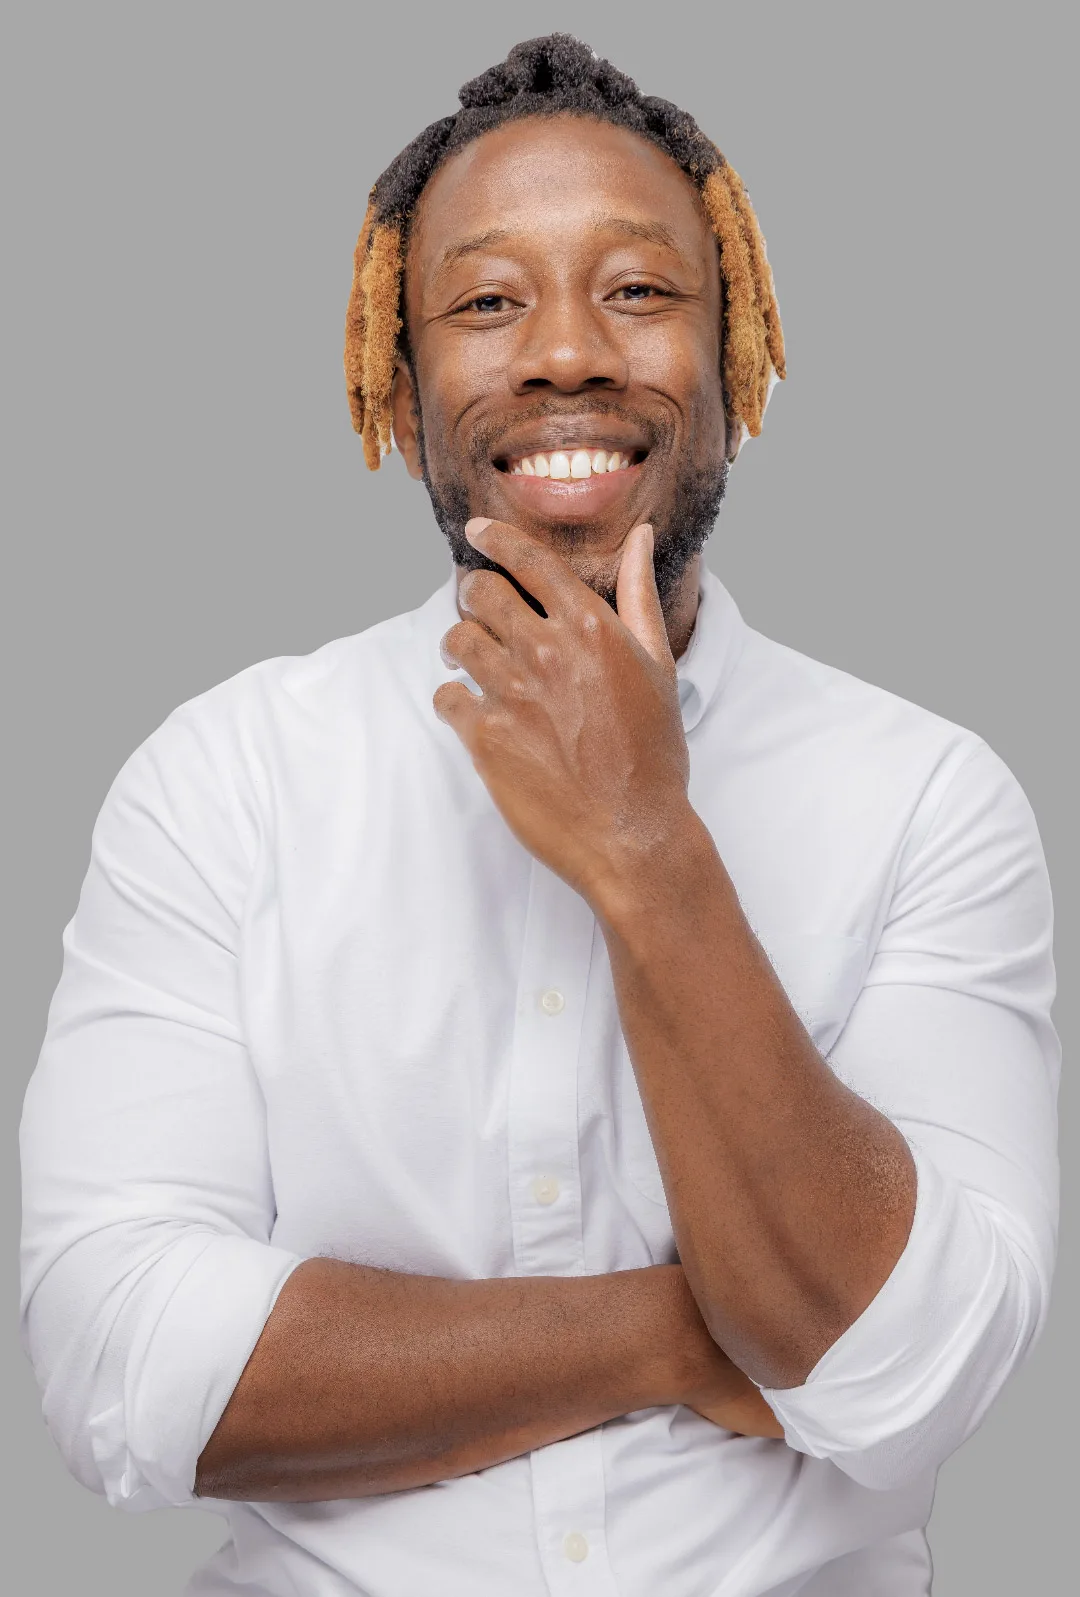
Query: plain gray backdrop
column 184, row 494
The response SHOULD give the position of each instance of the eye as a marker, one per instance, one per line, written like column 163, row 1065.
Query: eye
column 636, row 292
column 486, row 304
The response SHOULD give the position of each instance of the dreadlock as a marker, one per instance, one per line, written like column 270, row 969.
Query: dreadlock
column 547, row 77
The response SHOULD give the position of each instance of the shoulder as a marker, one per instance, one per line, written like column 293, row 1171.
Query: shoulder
column 338, row 678
column 869, row 756
column 222, row 752
column 837, row 723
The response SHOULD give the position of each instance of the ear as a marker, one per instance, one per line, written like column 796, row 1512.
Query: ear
column 403, row 413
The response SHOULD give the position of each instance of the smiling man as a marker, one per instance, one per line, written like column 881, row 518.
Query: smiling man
column 557, row 1048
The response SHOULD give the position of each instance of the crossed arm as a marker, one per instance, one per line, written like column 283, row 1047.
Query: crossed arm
column 368, row 1381
column 449, row 1377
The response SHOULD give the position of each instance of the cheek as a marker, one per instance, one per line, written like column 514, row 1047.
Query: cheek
column 458, row 372
column 679, row 359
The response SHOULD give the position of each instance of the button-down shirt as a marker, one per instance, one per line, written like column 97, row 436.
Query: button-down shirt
column 318, row 1000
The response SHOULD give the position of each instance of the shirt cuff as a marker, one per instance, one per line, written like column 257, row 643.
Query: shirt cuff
column 910, row 1379
column 183, row 1369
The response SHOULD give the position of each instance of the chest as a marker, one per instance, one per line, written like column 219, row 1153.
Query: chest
column 433, row 1021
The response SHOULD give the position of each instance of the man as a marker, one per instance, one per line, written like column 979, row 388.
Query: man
column 612, row 1089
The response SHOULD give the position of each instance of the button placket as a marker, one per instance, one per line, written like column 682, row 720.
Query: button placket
column 542, row 1111
column 570, row 1505
column 545, row 1203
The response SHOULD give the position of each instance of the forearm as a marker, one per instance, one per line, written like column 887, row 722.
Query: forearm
column 367, row 1381
column 791, row 1197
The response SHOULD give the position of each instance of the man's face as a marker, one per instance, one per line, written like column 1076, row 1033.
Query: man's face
column 563, row 300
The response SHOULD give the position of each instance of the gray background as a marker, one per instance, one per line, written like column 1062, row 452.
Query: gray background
column 186, row 495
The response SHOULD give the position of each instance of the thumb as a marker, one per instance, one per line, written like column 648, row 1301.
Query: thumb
column 637, row 600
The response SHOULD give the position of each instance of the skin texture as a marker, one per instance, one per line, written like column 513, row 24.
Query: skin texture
column 367, row 1381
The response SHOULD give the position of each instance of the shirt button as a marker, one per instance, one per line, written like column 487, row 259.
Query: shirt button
column 576, row 1547
column 552, row 1002
column 545, row 1189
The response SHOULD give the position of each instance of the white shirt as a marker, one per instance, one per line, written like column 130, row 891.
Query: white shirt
column 318, row 1000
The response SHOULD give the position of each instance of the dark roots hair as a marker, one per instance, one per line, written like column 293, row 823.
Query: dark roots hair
column 557, row 75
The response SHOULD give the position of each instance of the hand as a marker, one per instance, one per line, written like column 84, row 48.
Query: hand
column 737, row 1405
column 713, row 1386
column 577, row 733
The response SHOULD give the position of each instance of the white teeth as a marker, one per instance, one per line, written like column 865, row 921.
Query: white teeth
column 577, row 464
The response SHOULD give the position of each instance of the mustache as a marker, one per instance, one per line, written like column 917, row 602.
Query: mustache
column 488, row 435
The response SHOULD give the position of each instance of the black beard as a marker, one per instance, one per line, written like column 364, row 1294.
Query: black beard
column 699, row 493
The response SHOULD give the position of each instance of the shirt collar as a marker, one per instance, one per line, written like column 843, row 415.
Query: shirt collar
column 714, row 648
column 703, row 668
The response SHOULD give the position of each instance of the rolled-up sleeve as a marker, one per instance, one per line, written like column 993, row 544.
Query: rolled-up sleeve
column 951, row 1037
column 147, row 1267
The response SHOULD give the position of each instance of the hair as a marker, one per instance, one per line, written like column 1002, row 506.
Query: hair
column 552, row 76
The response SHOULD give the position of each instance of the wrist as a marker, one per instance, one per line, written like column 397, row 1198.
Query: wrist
column 659, row 874
column 679, row 1353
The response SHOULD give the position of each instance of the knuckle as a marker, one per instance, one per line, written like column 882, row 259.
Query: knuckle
column 487, row 738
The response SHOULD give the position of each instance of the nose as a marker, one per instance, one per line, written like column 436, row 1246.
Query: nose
column 566, row 345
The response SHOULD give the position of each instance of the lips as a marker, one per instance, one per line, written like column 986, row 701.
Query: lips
column 556, row 499
column 570, row 466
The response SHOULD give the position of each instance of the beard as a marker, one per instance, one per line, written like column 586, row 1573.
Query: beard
column 677, row 537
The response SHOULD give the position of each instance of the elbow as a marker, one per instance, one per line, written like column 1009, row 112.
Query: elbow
column 891, row 1422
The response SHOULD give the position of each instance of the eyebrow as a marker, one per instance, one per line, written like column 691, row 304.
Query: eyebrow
column 651, row 232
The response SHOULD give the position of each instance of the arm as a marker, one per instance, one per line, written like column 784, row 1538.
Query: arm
column 366, row 1381
column 951, row 1039
column 878, row 1270
column 791, row 1197
column 153, row 1295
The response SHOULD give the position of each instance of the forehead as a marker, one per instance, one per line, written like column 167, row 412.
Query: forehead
column 533, row 172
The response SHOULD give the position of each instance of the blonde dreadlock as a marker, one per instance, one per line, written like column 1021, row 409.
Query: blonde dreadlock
column 546, row 77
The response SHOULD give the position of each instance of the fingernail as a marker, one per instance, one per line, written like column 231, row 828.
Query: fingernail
column 652, row 541
column 476, row 526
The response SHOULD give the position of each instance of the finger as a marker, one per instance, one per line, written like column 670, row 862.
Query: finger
column 542, row 572
column 468, row 645
column 455, row 704
column 637, row 599
column 491, row 599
